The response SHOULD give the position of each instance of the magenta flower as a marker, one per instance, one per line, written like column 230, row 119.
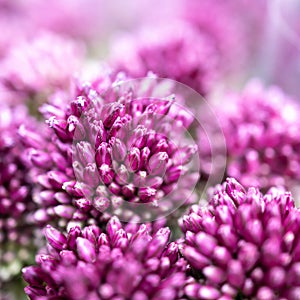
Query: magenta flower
column 283, row 63
column 35, row 67
column 243, row 245
column 119, row 151
column 16, row 205
column 11, row 21
column 91, row 264
column 174, row 50
column 235, row 27
column 79, row 18
column 261, row 131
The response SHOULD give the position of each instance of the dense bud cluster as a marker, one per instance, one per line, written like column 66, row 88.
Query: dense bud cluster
column 243, row 244
column 107, row 265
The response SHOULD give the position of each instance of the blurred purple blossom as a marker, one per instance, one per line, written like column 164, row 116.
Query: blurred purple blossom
column 283, row 66
column 10, row 23
column 80, row 19
column 261, row 128
column 76, row 18
column 174, row 50
column 236, row 29
column 16, row 205
column 35, row 67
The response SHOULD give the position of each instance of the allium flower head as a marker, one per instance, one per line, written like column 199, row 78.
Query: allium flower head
column 234, row 27
column 35, row 67
column 16, row 205
column 91, row 264
column 261, row 129
column 121, row 151
column 174, row 50
column 243, row 245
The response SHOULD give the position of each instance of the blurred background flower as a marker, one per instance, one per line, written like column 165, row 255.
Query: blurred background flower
column 261, row 129
column 17, row 228
column 172, row 50
column 35, row 68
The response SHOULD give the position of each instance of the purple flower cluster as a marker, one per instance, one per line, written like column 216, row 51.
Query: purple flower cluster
column 92, row 264
column 198, row 44
column 261, row 129
column 109, row 145
column 243, row 245
column 82, row 19
column 9, row 15
column 224, row 22
column 174, row 50
column 20, row 19
column 16, row 206
column 107, row 142
column 36, row 67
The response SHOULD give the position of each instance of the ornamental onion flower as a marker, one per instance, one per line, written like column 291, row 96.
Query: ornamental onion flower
column 16, row 205
column 261, row 128
column 174, row 50
column 243, row 245
column 35, row 67
column 236, row 28
column 114, row 149
column 91, row 264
